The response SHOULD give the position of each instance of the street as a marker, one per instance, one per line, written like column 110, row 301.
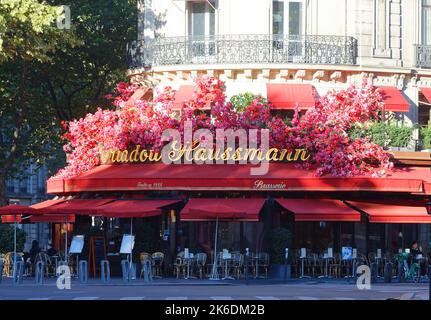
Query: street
column 206, row 290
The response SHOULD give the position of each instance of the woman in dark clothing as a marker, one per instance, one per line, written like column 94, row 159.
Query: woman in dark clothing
column 35, row 249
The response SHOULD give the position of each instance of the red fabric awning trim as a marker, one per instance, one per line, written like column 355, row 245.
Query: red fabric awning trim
column 47, row 203
column 320, row 210
column 17, row 209
column 427, row 93
column 280, row 177
column 288, row 95
column 387, row 213
column 204, row 209
column 11, row 218
column 52, row 218
column 184, row 93
column 76, row 206
column 133, row 208
column 394, row 100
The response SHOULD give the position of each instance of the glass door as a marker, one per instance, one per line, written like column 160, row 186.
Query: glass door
column 201, row 31
column 287, row 25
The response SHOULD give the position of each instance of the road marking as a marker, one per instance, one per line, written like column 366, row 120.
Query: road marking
column 41, row 299
column 307, row 298
column 85, row 298
column 132, row 298
column 221, row 298
column 344, row 298
column 267, row 298
column 176, row 298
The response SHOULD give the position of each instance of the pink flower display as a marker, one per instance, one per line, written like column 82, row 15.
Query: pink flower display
column 322, row 130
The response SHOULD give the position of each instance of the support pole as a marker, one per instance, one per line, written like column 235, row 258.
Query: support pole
column 214, row 273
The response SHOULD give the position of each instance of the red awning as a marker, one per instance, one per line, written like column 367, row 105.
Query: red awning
column 52, row 218
column 47, row 203
column 133, row 208
column 280, row 177
column 76, row 206
column 394, row 100
column 320, row 210
column 288, row 96
column 17, row 209
column 12, row 219
column 204, row 209
column 386, row 213
column 427, row 93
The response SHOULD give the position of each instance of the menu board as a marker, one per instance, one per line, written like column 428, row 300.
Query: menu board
column 346, row 253
column 77, row 244
column 97, row 253
column 127, row 244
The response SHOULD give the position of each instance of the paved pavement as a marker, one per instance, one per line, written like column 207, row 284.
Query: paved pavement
column 173, row 289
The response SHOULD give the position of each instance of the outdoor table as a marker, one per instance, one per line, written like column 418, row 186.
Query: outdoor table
column 325, row 258
column 256, row 264
column 303, row 267
column 188, row 261
column 226, row 271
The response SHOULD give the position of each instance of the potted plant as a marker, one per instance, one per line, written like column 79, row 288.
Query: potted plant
column 280, row 239
column 425, row 135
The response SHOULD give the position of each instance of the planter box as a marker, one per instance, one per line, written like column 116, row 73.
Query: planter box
column 277, row 271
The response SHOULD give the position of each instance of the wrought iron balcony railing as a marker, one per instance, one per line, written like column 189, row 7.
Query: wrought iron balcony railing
column 240, row 49
column 423, row 56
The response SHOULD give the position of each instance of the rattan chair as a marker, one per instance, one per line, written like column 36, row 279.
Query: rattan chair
column 143, row 258
column 180, row 265
column 157, row 259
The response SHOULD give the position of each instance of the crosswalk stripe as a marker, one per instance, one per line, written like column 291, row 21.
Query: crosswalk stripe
column 132, row 298
column 85, row 298
column 267, row 298
column 344, row 298
column 307, row 298
column 176, row 298
column 38, row 299
column 221, row 298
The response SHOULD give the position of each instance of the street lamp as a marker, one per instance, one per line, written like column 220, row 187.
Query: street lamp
column 428, row 206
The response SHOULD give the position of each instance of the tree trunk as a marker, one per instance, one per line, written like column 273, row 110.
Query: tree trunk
column 3, row 200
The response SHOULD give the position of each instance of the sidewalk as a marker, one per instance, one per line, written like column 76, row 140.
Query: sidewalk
column 51, row 281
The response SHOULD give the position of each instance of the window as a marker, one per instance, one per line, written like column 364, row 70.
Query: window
column 202, row 30
column 289, row 12
column 426, row 22
column 201, row 19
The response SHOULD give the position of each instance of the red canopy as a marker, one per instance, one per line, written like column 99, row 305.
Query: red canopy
column 133, row 208
column 280, row 177
column 47, row 203
column 387, row 213
column 288, row 96
column 427, row 93
column 12, row 218
column 76, row 206
column 394, row 100
column 17, row 209
column 203, row 209
column 319, row 210
column 52, row 218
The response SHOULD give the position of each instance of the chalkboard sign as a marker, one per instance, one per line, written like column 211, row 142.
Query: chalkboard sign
column 97, row 253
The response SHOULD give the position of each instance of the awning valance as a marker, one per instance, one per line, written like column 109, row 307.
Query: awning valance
column 394, row 100
column 288, row 96
column 280, row 177
column 52, row 218
column 133, row 208
column 427, row 93
column 204, row 209
column 388, row 213
column 320, row 210
column 75, row 206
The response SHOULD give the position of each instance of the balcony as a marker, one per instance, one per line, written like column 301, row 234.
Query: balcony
column 242, row 49
column 423, row 56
